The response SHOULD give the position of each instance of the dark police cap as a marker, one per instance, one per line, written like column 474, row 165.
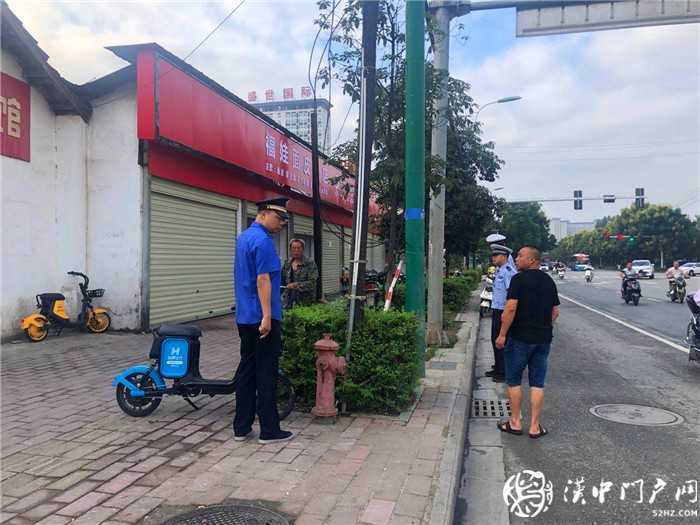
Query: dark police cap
column 278, row 205
column 499, row 249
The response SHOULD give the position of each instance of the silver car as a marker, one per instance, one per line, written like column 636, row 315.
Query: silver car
column 643, row 267
column 690, row 269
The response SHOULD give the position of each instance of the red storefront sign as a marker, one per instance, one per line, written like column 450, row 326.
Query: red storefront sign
column 15, row 113
column 194, row 115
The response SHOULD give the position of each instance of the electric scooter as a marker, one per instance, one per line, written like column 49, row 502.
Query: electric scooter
column 175, row 356
column 486, row 296
column 52, row 313
column 693, row 332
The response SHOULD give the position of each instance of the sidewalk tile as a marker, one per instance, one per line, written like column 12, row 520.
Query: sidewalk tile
column 95, row 516
column 119, row 483
column 137, row 510
column 378, row 512
column 419, row 485
column 308, row 519
column 76, row 492
column 41, row 511
column 109, row 472
column 158, row 476
column 126, row 497
column 84, row 504
column 54, row 519
column 321, row 504
column 411, row 505
column 29, row 501
column 70, row 480
column 149, row 464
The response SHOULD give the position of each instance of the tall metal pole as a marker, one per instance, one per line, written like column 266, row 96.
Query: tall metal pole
column 415, row 168
column 370, row 14
column 316, row 202
column 438, row 148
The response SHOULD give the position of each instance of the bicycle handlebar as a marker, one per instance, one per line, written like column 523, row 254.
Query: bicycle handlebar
column 78, row 274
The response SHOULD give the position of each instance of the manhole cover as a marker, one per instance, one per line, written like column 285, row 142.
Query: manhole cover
column 491, row 408
column 229, row 515
column 637, row 415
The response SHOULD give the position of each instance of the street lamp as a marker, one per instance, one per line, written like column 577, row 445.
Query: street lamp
column 499, row 101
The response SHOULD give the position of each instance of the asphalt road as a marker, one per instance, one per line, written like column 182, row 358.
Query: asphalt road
column 595, row 360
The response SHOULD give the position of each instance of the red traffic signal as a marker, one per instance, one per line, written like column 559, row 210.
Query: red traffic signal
column 620, row 237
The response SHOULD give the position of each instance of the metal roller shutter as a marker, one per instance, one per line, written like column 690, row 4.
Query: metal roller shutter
column 192, row 246
column 303, row 225
column 331, row 261
column 347, row 247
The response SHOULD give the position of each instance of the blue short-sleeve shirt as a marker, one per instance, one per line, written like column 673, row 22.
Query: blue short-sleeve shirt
column 501, row 284
column 256, row 255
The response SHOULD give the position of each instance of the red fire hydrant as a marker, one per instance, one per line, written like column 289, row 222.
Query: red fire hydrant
column 328, row 365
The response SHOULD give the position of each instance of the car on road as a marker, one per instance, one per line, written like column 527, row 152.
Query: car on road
column 544, row 267
column 643, row 267
column 690, row 269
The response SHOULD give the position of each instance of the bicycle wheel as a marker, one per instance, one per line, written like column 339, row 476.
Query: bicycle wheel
column 137, row 406
column 286, row 397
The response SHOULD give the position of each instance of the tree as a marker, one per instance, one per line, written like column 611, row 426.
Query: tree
column 526, row 224
column 655, row 229
column 468, row 158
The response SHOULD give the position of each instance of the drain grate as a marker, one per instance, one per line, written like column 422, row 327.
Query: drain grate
column 229, row 515
column 491, row 408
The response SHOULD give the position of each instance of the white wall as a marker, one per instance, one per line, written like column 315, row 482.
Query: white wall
column 43, row 211
column 115, row 200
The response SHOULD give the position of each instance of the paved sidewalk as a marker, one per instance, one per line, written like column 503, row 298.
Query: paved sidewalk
column 483, row 476
column 69, row 455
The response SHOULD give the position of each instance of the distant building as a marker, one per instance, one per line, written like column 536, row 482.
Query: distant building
column 562, row 228
column 295, row 115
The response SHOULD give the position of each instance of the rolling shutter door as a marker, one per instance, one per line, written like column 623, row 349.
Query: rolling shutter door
column 192, row 246
column 331, row 262
column 303, row 225
column 347, row 247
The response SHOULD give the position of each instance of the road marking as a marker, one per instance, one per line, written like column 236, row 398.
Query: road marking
column 628, row 325
column 654, row 300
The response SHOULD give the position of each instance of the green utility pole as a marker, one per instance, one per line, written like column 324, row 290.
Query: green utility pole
column 415, row 168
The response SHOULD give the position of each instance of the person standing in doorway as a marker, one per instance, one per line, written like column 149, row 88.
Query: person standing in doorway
column 526, row 334
column 258, row 316
column 505, row 270
column 299, row 277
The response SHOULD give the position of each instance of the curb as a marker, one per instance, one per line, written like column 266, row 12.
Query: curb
column 445, row 498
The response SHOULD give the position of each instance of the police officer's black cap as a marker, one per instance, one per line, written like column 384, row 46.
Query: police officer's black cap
column 278, row 205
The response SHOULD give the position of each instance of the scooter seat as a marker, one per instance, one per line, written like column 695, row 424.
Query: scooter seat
column 48, row 297
column 179, row 330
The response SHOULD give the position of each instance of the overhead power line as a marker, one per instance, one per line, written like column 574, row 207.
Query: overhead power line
column 223, row 21
column 598, row 146
column 577, row 159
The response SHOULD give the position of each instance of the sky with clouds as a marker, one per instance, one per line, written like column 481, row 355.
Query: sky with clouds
column 602, row 112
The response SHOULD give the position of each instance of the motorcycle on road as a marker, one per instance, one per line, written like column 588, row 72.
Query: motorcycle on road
column 633, row 291
column 693, row 333
column 676, row 289
column 589, row 275
column 561, row 273
column 486, row 296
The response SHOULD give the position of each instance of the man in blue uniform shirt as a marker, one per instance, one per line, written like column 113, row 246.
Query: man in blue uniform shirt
column 258, row 315
column 503, row 259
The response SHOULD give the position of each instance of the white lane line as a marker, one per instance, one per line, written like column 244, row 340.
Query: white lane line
column 654, row 300
column 628, row 325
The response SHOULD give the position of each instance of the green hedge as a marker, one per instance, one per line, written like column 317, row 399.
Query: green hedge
column 455, row 291
column 383, row 370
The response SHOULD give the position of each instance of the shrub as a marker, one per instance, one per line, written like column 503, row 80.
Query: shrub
column 455, row 292
column 383, row 370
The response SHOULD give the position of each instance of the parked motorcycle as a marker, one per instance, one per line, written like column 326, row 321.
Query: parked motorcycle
column 633, row 291
column 486, row 296
column 52, row 313
column 676, row 290
column 589, row 275
column 693, row 333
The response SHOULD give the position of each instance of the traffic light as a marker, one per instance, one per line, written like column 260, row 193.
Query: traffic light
column 630, row 239
column 578, row 199
column 639, row 197
column 609, row 199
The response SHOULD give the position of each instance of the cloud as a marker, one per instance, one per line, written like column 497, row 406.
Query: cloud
column 265, row 44
column 631, row 97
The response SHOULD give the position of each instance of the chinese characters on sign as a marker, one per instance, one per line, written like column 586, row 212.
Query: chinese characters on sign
column 252, row 96
column 529, row 493
column 14, row 117
column 288, row 93
column 269, row 95
column 305, row 92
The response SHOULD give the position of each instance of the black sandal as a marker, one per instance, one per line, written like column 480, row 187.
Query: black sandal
column 543, row 432
column 504, row 426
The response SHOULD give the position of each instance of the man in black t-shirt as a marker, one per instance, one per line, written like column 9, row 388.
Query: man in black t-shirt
column 526, row 335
